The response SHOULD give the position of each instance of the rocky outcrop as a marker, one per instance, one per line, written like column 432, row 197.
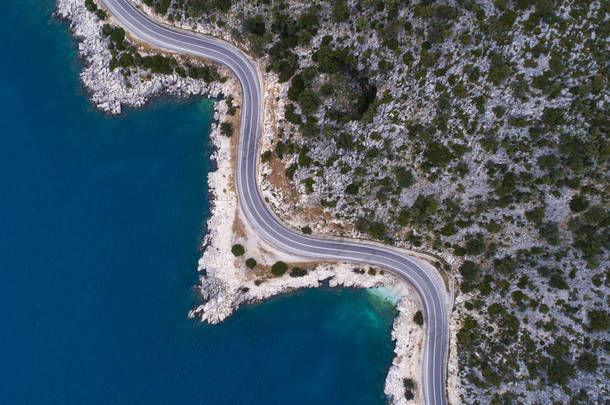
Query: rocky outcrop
column 111, row 89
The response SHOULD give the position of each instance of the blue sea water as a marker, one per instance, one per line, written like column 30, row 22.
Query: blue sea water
column 101, row 220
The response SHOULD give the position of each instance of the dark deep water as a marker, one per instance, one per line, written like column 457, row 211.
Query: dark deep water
column 100, row 225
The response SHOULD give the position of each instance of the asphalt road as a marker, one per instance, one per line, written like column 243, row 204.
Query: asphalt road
column 427, row 283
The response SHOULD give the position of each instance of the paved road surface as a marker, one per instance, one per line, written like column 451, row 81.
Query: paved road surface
column 428, row 284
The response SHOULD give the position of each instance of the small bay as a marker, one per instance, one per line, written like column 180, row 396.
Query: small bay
column 101, row 220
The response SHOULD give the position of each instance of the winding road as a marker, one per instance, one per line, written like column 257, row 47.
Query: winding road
column 426, row 281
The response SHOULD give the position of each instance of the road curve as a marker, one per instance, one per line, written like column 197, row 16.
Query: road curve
column 428, row 284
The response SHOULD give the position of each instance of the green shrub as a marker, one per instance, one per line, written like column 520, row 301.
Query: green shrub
column 91, row 6
column 255, row 25
column 469, row 270
column 498, row 70
column 327, row 89
column 306, row 230
column 113, row 64
column 309, row 102
column 352, row 188
column 265, row 156
column 404, row 177
column 587, row 362
column 226, row 129
column 107, row 29
column 159, row 64
column 118, row 35
column 250, row 263
column 578, row 203
column 598, row 319
column 549, row 231
column 291, row 170
column 101, row 14
column 437, row 155
column 126, row 60
column 409, row 386
column 297, row 272
column 340, row 11
column 279, row 268
column 558, row 371
column 238, row 250
column 418, row 318
column 180, row 71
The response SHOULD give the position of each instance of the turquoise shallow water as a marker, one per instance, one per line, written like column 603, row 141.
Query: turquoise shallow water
column 100, row 225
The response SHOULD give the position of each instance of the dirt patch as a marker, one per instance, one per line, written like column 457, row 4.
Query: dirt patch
column 238, row 228
column 263, row 272
column 278, row 179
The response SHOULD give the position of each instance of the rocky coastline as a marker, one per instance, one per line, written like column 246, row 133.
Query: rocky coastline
column 225, row 281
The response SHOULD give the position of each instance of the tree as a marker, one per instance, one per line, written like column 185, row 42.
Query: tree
column 598, row 319
column 238, row 250
column 423, row 208
column 544, row 8
column 297, row 272
column 226, row 129
column 255, row 25
column 118, row 35
column 494, row 309
column 257, row 45
column 344, row 141
column 549, row 231
column 553, row 117
column 265, row 156
column 404, row 177
column 548, row 161
column 297, row 85
column 309, row 101
column 101, row 14
column 587, row 362
column 250, row 263
column 327, row 89
column 291, row 115
column 557, row 281
column 409, row 386
column 279, row 268
column 498, row 68
column 352, row 188
column 536, row 215
column 475, row 245
column 90, row 5
column 508, row 184
column 107, row 29
column 578, row 203
column 418, row 318
column 126, row 60
column 376, row 229
column 556, row 64
column 460, row 90
column 437, row 154
column 558, row 371
column 469, row 270
column 340, row 11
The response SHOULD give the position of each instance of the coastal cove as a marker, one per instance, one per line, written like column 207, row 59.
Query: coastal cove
column 101, row 228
